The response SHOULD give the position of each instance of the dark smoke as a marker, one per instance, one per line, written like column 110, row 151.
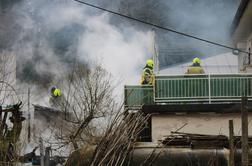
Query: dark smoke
column 25, row 30
column 209, row 19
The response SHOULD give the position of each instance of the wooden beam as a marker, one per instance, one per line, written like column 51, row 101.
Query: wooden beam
column 8, row 110
column 3, row 125
column 231, row 143
column 244, row 121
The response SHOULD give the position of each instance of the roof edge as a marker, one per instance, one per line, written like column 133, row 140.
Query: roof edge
column 238, row 15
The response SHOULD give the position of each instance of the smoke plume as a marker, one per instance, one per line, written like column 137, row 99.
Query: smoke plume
column 48, row 37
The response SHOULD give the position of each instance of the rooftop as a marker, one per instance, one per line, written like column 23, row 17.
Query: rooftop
column 218, row 64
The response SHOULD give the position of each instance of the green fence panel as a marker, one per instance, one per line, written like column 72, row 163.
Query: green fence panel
column 136, row 96
column 230, row 86
column 217, row 87
column 169, row 88
column 190, row 88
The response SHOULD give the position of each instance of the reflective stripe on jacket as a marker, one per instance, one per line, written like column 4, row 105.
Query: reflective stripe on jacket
column 147, row 77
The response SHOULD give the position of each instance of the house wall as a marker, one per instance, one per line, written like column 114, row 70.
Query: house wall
column 163, row 124
column 244, row 60
column 242, row 37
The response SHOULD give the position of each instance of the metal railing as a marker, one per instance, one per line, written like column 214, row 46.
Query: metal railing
column 190, row 88
column 211, row 87
column 136, row 96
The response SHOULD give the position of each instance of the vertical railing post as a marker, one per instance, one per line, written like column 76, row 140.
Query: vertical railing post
column 209, row 88
column 154, row 91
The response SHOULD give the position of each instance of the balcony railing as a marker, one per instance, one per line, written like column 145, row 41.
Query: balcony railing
column 136, row 96
column 202, row 87
column 190, row 88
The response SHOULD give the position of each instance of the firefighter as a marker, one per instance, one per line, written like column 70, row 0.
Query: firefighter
column 55, row 92
column 147, row 77
column 55, row 98
column 195, row 68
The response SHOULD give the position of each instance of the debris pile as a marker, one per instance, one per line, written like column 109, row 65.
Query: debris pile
column 200, row 141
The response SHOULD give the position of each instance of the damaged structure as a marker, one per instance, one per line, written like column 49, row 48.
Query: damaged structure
column 9, row 135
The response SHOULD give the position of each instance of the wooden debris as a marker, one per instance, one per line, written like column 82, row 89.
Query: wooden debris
column 200, row 141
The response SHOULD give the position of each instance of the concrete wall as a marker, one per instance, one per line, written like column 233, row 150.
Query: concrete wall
column 163, row 124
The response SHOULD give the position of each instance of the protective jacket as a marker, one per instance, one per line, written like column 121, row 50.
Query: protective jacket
column 195, row 69
column 56, row 99
column 147, row 77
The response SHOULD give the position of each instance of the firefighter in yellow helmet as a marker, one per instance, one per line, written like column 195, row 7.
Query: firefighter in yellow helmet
column 195, row 68
column 55, row 92
column 55, row 98
column 147, row 77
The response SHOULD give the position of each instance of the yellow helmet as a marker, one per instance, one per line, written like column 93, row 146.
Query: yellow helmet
column 150, row 63
column 196, row 60
column 57, row 92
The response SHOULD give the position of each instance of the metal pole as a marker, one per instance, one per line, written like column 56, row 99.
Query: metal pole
column 244, row 121
column 155, row 53
column 231, row 143
column 41, row 147
column 47, row 156
column 157, row 59
column 29, row 117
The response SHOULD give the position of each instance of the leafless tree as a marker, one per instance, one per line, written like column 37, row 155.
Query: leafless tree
column 87, row 107
column 91, row 121
column 116, row 145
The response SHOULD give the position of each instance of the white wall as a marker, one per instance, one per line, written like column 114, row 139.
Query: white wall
column 215, row 124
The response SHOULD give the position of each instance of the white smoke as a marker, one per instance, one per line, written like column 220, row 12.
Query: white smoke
column 123, row 56
column 121, row 51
